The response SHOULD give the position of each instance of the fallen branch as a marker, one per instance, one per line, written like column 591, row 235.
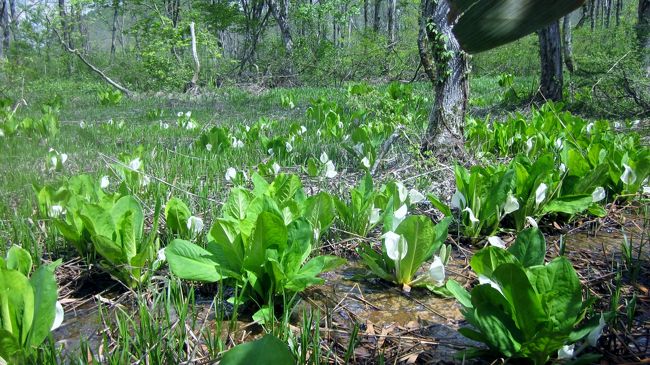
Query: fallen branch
column 384, row 149
column 121, row 88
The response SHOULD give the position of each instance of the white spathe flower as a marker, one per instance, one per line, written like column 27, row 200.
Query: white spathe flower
column 402, row 192
column 161, row 256
column 617, row 125
column 330, row 170
column 237, row 143
column 437, row 271
column 146, row 180
column 472, row 217
column 482, row 279
column 104, row 182
column 231, row 173
column 629, row 176
column 276, row 168
column 396, row 246
column 598, row 194
column 375, row 215
column 135, row 164
column 82, row 124
column 188, row 114
column 531, row 221
column 288, row 146
column 646, row 190
column 529, row 145
column 164, row 125
column 208, row 147
column 458, row 200
column 558, row 143
column 594, row 335
column 64, row 158
column 303, row 129
column 58, row 316
column 540, row 193
column 590, row 127
column 496, row 242
column 247, row 128
column 54, row 161
column 399, row 215
column 511, row 205
column 566, row 352
column 270, row 151
column 190, row 125
column 562, row 168
column 318, row 133
column 340, row 125
column 365, row 162
column 179, row 114
column 324, row 158
column 195, row 225
column 56, row 211
column 415, row 196
column 316, row 234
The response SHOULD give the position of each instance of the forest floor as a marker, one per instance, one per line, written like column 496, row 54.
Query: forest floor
column 359, row 320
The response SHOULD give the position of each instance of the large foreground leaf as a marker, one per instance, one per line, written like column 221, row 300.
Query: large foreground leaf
column 267, row 350
column 486, row 24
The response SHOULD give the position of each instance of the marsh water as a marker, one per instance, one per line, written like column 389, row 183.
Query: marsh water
column 381, row 311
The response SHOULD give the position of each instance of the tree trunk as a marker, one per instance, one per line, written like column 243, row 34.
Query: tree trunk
column 365, row 14
column 280, row 10
column 643, row 33
column 6, row 33
column 392, row 5
column 619, row 8
column 447, row 117
column 375, row 24
column 567, row 45
column 592, row 15
column 423, row 44
column 551, row 62
column 116, row 13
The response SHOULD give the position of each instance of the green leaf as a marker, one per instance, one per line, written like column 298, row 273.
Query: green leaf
column 237, row 204
column 459, row 293
column 9, row 345
column 44, row 285
column 438, row 204
column 418, row 230
column 569, row 204
column 176, row 215
column 319, row 210
column 485, row 261
column 268, row 350
column 19, row 259
column 270, row 232
column 529, row 247
column 374, row 261
column 16, row 304
column 191, row 262
column 486, row 24
column 307, row 275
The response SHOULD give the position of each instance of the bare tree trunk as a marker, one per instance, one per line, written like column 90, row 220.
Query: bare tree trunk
column 81, row 27
column 608, row 12
column 192, row 87
column 426, row 58
column 551, row 62
column 643, row 33
column 567, row 45
column 375, row 24
column 116, row 12
column 447, row 117
column 6, row 32
column 592, row 14
column 365, row 14
column 392, row 5
column 619, row 8
column 280, row 10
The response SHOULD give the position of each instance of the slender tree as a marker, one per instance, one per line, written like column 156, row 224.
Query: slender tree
column 567, row 45
column 376, row 19
column 550, row 52
column 6, row 32
column 643, row 33
column 392, row 8
column 280, row 10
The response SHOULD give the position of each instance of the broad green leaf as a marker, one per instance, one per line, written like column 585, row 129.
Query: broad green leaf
column 420, row 238
column 223, row 231
column 191, row 262
column 438, row 204
column 109, row 250
column 485, row 261
column 176, row 215
column 374, row 261
column 461, row 295
column 129, row 204
column 19, row 259
column 486, row 24
column 237, row 203
column 569, row 204
column 9, row 345
column 44, row 285
column 319, row 210
column 270, row 232
column 529, row 247
column 526, row 303
column 268, row 350
column 16, row 304
column 307, row 275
